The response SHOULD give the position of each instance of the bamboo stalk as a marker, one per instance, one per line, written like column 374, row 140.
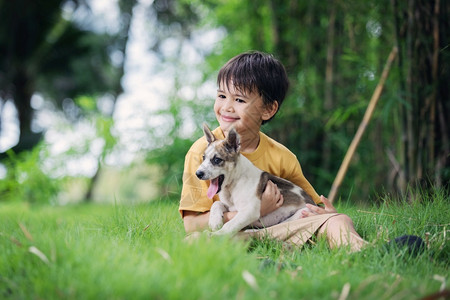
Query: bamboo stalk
column 434, row 74
column 362, row 127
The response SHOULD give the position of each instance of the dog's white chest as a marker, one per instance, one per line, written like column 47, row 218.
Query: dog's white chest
column 240, row 196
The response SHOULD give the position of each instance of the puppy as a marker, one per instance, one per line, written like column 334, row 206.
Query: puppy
column 240, row 185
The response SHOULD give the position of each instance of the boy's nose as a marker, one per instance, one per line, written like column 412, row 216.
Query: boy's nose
column 228, row 105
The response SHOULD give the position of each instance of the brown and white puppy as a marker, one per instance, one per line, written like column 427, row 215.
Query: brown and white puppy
column 240, row 185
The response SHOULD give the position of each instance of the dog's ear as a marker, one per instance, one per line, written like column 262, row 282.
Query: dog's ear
column 233, row 141
column 208, row 134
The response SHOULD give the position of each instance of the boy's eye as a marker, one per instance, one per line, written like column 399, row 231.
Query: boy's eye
column 240, row 100
column 203, row 157
column 221, row 96
column 216, row 160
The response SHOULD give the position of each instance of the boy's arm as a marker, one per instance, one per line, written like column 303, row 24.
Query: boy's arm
column 317, row 210
column 271, row 199
column 195, row 221
column 295, row 175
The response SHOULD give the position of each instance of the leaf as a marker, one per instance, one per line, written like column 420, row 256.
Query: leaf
column 26, row 232
column 250, row 279
column 164, row 254
column 39, row 254
column 441, row 279
column 345, row 291
column 86, row 102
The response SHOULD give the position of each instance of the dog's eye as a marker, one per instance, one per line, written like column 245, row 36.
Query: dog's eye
column 216, row 160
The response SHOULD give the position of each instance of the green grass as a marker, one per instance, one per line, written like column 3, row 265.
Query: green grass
column 139, row 252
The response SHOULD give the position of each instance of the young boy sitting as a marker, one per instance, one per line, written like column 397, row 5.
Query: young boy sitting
column 251, row 89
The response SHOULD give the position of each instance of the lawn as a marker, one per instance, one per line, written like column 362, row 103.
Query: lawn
column 139, row 252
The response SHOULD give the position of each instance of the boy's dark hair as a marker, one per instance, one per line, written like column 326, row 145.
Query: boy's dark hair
column 256, row 71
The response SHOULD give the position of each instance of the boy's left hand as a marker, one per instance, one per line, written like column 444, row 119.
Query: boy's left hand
column 317, row 210
column 272, row 199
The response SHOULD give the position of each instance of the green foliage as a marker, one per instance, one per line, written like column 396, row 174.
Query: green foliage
column 86, row 103
column 170, row 162
column 103, row 124
column 59, row 58
column 78, row 63
column 334, row 55
column 171, row 147
column 139, row 252
column 25, row 181
column 42, row 175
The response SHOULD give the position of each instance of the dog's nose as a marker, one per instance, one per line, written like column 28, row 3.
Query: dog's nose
column 200, row 174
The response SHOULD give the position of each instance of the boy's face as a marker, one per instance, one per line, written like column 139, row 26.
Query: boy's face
column 245, row 111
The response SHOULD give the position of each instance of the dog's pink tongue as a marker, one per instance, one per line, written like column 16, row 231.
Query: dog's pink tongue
column 213, row 187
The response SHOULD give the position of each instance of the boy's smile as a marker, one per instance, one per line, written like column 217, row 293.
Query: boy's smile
column 243, row 110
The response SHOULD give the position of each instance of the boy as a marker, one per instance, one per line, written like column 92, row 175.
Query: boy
column 252, row 87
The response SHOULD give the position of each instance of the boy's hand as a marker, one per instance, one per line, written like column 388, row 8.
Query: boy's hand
column 271, row 199
column 317, row 210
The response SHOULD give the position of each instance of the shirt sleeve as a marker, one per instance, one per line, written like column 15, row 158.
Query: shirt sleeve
column 193, row 193
column 296, row 176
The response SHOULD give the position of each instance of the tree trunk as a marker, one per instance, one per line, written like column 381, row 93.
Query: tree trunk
column 402, row 173
column 22, row 93
column 126, row 8
column 426, row 111
column 329, row 75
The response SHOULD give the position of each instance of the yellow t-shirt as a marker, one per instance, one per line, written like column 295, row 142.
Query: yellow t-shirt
column 269, row 156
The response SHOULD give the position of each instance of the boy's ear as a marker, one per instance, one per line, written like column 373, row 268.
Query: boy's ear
column 233, row 141
column 270, row 111
column 208, row 134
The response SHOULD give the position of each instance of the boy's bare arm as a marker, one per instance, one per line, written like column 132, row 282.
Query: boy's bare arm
column 318, row 210
column 195, row 221
column 272, row 199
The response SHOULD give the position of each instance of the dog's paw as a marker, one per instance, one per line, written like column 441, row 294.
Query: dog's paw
column 224, row 231
column 216, row 215
column 215, row 222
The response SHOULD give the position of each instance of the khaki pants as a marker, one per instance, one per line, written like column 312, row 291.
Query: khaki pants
column 337, row 228
column 297, row 232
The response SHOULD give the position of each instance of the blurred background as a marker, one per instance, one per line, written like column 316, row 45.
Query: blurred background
column 101, row 99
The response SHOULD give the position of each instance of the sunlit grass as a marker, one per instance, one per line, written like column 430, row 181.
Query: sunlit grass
column 139, row 252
